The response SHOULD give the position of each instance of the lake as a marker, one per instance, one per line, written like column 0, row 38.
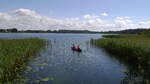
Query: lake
column 58, row 64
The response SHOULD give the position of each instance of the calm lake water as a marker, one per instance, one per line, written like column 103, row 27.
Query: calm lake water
column 58, row 64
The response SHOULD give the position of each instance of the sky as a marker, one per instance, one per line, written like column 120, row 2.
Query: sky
column 95, row 15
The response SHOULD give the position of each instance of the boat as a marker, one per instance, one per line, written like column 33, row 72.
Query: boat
column 75, row 49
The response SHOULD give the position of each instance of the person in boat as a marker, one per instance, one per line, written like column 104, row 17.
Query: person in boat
column 73, row 46
column 78, row 47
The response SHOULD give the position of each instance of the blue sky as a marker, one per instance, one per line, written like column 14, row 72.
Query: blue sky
column 137, row 10
column 75, row 8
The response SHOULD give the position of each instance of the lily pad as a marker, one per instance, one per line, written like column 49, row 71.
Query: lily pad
column 45, row 79
column 43, row 64
column 37, row 81
column 29, row 68
column 51, row 78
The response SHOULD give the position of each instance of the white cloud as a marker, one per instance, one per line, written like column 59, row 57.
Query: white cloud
column 99, row 20
column 25, row 12
column 25, row 19
column 88, row 16
column 121, row 22
column 144, row 24
column 141, row 23
column 119, row 18
column 128, row 20
column 104, row 14
column 4, row 16
column 124, row 22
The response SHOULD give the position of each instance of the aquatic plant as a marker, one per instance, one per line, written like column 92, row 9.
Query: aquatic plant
column 134, row 49
column 14, row 54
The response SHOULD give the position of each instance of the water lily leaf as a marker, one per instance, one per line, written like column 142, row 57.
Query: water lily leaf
column 41, row 67
column 29, row 68
column 51, row 78
column 43, row 64
column 45, row 79
column 37, row 81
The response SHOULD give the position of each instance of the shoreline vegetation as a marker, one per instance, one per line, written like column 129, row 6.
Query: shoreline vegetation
column 14, row 30
column 127, row 31
column 14, row 55
column 134, row 50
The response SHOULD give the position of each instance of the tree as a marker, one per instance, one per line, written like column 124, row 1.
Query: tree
column 12, row 30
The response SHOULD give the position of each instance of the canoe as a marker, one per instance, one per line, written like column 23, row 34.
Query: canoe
column 74, row 49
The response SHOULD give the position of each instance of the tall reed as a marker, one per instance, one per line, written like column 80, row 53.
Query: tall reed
column 14, row 54
column 134, row 49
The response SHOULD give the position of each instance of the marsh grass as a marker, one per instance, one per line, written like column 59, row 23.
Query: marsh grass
column 14, row 54
column 133, row 49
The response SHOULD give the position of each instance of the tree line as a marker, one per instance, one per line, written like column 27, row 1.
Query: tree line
column 15, row 30
column 127, row 31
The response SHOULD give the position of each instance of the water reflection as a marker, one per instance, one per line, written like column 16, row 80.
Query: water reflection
column 136, row 77
column 58, row 64
column 136, row 72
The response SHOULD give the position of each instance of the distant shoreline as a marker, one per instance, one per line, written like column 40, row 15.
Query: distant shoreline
column 128, row 31
column 51, row 33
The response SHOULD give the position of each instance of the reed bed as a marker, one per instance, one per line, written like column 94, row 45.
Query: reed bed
column 14, row 54
column 133, row 49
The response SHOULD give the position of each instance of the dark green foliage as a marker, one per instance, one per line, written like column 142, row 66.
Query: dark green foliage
column 2, row 30
column 12, row 30
column 14, row 54
column 126, row 31
column 146, row 33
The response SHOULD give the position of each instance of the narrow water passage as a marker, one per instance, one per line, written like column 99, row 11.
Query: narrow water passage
column 58, row 64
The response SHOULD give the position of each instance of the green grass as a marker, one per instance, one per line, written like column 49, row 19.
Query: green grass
column 14, row 54
column 133, row 49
